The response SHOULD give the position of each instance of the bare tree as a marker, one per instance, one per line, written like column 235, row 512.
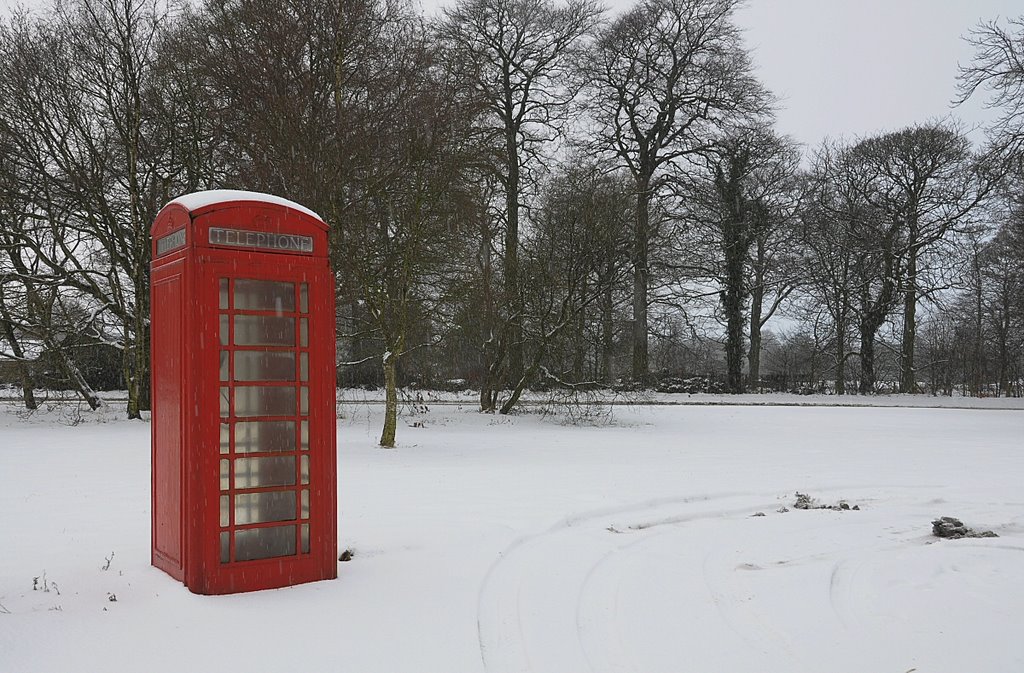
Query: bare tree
column 519, row 56
column 928, row 180
column 76, row 90
column 750, row 195
column 999, row 66
column 403, row 226
column 1002, row 304
column 830, row 269
column 666, row 75
column 575, row 226
column 855, row 252
column 264, row 72
column 113, row 43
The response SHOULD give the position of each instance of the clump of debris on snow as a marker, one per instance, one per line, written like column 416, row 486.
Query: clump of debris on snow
column 954, row 529
column 804, row 501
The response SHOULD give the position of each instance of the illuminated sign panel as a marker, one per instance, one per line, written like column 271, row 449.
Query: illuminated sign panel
column 172, row 241
column 260, row 240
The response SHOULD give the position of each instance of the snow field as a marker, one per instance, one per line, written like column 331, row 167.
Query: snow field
column 516, row 544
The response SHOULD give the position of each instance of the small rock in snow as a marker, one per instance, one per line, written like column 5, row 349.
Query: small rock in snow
column 954, row 529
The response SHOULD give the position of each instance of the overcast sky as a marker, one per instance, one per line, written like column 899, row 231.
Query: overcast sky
column 852, row 67
column 849, row 68
column 855, row 67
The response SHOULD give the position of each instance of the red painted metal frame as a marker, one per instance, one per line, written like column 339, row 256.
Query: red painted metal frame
column 186, row 410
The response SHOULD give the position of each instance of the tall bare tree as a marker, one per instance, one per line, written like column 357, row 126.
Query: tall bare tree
column 519, row 56
column 826, row 243
column 404, row 225
column 666, row 76
column 928, row 180
column 750, row 194
column 855, row 252
column 76, row 94
column 577, row 223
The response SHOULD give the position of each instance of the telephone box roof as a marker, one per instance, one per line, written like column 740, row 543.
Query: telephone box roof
column 197, row 200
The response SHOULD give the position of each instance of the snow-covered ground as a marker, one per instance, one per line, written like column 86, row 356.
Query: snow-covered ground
column 519, row 544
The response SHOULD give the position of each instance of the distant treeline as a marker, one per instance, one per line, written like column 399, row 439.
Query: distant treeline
column 522, row 193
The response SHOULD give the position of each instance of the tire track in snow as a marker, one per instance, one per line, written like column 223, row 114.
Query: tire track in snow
column 575, row 562
column 496, row 616
column 498, row 652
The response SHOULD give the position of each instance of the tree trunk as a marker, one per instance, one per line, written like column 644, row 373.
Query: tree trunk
column 867, row 360
column 908, row 379
column 74, row 374
column 516, row 391
column 1003, row 334
column 136, row 353
column 840, row 357
column 387, row 436
column 579, row 339
column 138, row 363
column 24, row 370
column 146, row 391
column 607, row 333
column 640, row 279
column 754, row 356
column 976, row 370
column 513, row 301
column 732, row 304
column 494, row 354
column 28, row 394
column 488, row 386
column 734, row 341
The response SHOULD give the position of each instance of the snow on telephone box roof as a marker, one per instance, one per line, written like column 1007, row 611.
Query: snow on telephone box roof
column 197, row 200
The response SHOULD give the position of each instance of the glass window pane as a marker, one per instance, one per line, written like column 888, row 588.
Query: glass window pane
column 305, row 469
column 260, row 543
column 305, row 538
column 225, row 547
column 225, row 510
column 224, row 365
column 264, row 330
column 304, row 298
column 264, row 295
column 225, row 438
column 303, row 366
column 253, row 436
column 303, row 332
column 224, row 340
column 262, row 507
column 304, row 438
column 264, row 401
column 305, row 503
column 259, row 472
column 225, row 402
column 225, row 475
column 223, row 293
column 264, row 366
column 304, row 400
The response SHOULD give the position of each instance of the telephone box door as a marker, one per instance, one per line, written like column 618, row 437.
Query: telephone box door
column 272, row 493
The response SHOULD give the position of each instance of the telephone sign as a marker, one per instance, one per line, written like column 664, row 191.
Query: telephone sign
column 240, row 238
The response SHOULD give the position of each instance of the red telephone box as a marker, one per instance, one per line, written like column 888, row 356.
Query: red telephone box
column 243, row 365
